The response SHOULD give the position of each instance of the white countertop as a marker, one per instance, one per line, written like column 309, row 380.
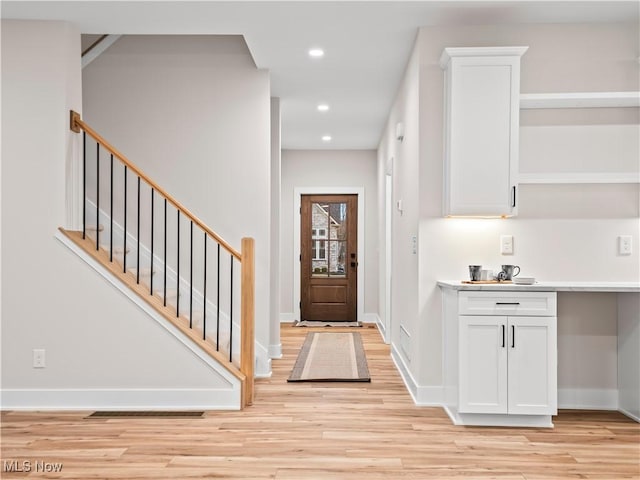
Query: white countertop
column 547, row 286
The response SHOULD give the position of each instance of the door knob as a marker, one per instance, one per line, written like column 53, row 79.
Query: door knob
column 354, row 264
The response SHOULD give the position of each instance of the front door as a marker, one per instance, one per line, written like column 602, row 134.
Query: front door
column 329, row 257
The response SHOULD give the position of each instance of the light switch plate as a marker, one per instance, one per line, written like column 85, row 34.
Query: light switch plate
column 506, row 244
column 625, row 245
column 38, row 358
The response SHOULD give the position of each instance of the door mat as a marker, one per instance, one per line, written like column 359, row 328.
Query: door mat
column 320, row 323
column 331, row 357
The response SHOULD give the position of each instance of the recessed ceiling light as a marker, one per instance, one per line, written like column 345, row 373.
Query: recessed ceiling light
column 316, row 53
column 323, row 107
column 326, row 138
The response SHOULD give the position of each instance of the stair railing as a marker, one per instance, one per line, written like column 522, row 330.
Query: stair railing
column 246, row 256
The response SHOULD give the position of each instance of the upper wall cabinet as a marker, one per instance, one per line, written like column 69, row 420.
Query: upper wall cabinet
column 482, row 106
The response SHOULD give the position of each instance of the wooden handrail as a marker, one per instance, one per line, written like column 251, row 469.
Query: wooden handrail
column 77, row 125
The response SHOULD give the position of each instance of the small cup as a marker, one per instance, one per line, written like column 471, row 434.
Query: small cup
column 486, row 275
column 474, row 272
column 508, row 272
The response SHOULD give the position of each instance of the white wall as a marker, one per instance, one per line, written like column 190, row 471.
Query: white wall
column 194, row 113
column 329, row 168
column 101, row 350
column 563, row 232
column 275, row 347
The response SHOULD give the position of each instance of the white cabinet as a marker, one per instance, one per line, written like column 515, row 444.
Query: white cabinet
column 507, row 365
column 500, row 357
column 482, row 105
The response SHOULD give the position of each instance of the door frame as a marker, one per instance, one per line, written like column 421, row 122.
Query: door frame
column 297, row 202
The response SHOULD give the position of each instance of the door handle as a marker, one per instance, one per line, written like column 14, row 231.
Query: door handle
column 354, row 264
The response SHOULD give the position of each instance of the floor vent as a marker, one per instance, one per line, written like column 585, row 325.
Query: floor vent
column 116, row 414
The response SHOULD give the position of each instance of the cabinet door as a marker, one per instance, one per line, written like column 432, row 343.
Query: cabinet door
column 532, row 365
column 483, row 364
column 481, row 131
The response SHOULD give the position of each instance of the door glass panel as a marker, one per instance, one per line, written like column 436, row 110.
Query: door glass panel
column 337, row 258
column 328, row 239
column 338, row 220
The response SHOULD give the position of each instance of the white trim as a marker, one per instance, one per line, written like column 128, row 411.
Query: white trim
column 629, row 414
column 424, row 396
column 99, row 49
column 286, row 317
column 148, row 309
column 297, row 201
column 262, row 361
column 499, row 420
column 371, row 318
column 573, row 178
column 275, row 351
column 588, row 398
column 580, row 100
column 121, row 399
column 451, row 52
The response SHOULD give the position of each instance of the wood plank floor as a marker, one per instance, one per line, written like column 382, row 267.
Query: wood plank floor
column 322, row 431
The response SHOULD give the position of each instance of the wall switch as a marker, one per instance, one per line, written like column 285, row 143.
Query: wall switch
column 625, row 245
column 414, row 244
column 506, row 244
column 38, row 358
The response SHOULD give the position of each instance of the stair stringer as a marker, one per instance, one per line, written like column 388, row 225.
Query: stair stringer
column 230, row 399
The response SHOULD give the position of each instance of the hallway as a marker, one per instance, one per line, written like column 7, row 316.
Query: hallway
column 323, row 431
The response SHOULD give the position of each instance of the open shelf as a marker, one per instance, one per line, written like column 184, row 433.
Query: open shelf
column 572, row 178
column 580, row 100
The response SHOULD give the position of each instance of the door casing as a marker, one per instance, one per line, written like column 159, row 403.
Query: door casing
column 297, row 202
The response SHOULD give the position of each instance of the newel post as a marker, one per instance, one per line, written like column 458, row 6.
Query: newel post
column 247, row 317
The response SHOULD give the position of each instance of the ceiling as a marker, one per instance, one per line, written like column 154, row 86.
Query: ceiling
column 366, row 43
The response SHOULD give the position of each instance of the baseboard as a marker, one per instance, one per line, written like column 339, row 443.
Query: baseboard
column 588, row 398
column 629, row 414
column 370, row 318
column 120, row 399
column 424, row 396
column 275, row 350
column 286, row 317
column 263, row 362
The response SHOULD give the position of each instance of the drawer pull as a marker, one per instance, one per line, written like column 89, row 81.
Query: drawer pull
column 513, row 336
column 503, row 336
column 507, row 303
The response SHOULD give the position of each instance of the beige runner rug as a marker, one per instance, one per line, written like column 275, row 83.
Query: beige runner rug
column 331, row 357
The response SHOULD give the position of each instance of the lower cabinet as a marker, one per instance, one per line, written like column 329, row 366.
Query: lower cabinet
column 500, row 357
column 507, row 365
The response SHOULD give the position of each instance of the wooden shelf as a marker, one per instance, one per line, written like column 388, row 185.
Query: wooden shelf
column 584, row 178
column 580, row 100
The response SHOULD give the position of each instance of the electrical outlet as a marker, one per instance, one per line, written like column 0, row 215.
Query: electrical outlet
column 38, row 358
column 625, row 245
column 506, row 244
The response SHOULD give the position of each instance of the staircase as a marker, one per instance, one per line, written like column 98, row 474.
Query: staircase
column 169, row 258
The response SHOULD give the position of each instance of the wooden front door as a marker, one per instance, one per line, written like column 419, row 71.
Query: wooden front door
column 329, row 257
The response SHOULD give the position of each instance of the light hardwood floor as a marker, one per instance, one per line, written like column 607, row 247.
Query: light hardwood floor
column 323, row 431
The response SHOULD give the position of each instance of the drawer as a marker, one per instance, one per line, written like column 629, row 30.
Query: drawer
column 541, row 304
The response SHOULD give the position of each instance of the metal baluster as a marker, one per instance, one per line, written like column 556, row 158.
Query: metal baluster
column 165, row 254
column 124, row 257
column 218, row 303
column 204, row 295
column 97, row 196
column 231, row 316
column 152, row 220
column 84, row 184
column 138, row 252
column 191, row 277
column 178, row 269
column 111, row 212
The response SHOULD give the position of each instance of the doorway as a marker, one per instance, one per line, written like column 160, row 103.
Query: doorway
column 329, row 257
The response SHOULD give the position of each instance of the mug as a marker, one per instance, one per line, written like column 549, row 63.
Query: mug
column 474, row 272
column 507, row 272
